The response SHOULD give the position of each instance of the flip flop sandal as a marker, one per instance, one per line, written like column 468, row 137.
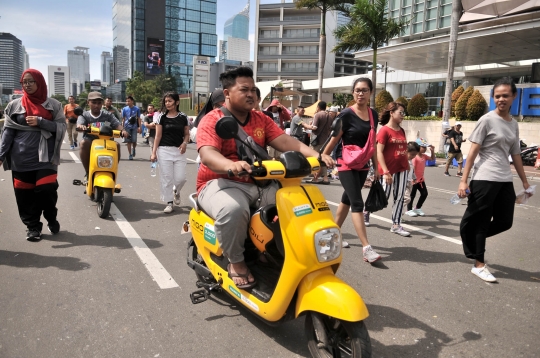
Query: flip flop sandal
column 313, row 181
column 324, row 182
column 244, row 276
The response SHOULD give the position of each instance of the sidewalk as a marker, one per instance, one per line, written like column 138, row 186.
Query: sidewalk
column 530, row 172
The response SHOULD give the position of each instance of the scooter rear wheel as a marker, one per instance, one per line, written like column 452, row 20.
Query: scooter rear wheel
column 338, row 338
column 104, row 200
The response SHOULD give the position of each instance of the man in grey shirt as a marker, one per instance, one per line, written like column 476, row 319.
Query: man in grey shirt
column 297, row 123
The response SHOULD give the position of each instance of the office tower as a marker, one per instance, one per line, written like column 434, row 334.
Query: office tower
column 236, row 45
column 79, row 69
column 106, row 64
column 26, row 59
column 59, row 80
column 11, row 63
column 162, row 37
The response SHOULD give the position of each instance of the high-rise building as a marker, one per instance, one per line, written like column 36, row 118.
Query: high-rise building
column 106, row 64
column 162, row 36
column 59, row 80
column 79, row 69
column 236, row 45
column 11, row 62
column 26, row 59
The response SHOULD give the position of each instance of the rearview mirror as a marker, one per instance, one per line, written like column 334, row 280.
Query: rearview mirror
column 336, row 127
column 227, row 127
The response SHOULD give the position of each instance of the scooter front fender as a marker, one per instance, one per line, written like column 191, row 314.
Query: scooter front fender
column 104, row 180
column 321, row 291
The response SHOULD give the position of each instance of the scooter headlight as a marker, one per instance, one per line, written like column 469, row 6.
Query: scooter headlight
column 328, row 244
column 105, row 161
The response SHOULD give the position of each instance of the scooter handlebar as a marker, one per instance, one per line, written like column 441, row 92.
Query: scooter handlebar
column 256, row 171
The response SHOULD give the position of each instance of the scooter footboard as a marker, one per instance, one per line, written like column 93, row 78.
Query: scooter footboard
column 321, row 291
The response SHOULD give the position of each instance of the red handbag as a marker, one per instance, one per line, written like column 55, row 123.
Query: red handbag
column 356, row 157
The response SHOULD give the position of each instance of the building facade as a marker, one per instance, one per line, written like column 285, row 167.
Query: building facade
column 495, row 39
column 236, row 44
column 162, row 36
column 59, row 80
column 79, row 69
column 107, row 67
column 11, row 63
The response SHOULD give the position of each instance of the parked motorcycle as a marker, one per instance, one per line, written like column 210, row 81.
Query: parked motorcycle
column 528, row 154
column 103, row 170
column 302, row 246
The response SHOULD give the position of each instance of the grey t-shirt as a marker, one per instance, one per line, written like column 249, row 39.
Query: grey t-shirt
column 296, row 127
column 498, row 139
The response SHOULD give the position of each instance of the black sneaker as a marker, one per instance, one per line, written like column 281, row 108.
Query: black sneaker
column 54, row 228
column 33, row 235
column 459, row 175
column 447, row 174
column 75, row 143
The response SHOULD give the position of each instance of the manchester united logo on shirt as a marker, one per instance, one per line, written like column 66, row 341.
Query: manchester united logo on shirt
column 258, row 133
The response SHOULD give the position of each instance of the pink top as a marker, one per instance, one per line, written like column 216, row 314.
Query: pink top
column 419, row 163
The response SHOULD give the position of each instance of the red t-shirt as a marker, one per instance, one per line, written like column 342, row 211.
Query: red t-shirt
column 419, row 163
column 395, row 149
column 259, row 126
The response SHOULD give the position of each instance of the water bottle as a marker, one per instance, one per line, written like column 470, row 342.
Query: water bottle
column 456, row 199
column 153, row 167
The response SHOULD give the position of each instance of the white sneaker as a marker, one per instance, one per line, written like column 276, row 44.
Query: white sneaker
column 399, row 230
column 419, row 212
column 176, row 197
column 345, row 244
column 370, row 255
column 411, row 213
column 168, row 209
column 483, row 273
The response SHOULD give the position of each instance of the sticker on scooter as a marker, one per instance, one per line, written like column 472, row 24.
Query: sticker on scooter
column 302, row 210
column 209, row 233
column 244, row 298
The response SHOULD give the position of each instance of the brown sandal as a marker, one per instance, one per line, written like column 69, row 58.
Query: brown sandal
column 244, row 275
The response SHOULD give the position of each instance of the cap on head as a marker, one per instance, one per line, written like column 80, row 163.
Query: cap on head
column 458, row 124
column 218, row 96
column 333, row 109
column 421, row 142
column 94, row 95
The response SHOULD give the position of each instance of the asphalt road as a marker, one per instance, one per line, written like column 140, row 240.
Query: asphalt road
column 86, row 292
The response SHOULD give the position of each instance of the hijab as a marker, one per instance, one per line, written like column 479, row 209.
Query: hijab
column 33, row 102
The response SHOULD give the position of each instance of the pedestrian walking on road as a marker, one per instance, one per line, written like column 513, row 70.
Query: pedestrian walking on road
column 412, row 151
column 322, row 122
column 490, row 208
column 33, row 132
column 131, row 120
column 393, row 162
column 455, row 137
column 419, row 164
column 355, row 129
column 170, row 144
column 150, row 126
column 71, row 122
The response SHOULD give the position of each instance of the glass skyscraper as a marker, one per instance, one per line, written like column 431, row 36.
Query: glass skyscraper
column 162, row 36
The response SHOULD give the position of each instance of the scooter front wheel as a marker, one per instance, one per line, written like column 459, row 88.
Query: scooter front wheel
column 104, row 200
column 332, row 337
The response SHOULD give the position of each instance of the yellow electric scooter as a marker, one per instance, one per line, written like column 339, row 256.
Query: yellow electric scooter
column 102, row 172
column 302, row 246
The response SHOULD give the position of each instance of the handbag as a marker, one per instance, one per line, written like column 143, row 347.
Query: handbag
column 376, row 199
column 313, row 139
column 72, row 120
column 355, row 157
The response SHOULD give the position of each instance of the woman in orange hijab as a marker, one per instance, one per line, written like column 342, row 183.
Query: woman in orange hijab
column 33, row 132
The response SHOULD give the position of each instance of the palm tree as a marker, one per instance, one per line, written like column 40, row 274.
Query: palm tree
column 369, row 27
column 324, row 6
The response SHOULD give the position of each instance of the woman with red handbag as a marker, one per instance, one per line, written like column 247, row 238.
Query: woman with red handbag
column 393, row 161
column 359, row 124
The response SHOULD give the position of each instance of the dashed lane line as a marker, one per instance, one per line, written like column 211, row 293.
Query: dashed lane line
column 74, row 157
column 412, row 228
column 147, row 257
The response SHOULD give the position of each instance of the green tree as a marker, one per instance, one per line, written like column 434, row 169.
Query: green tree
column 417, row 105
column 82, row 99
column 60, row 98
column 146, row 91
column 382, row 99
column 324, row 6
column 403, row 101
column 455, row 96
column 369, row 27
column 461, row 104
column 342, row 99
column 476, row 106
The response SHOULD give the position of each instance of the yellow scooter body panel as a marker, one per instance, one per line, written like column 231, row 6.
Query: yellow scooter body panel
column 97, row 176
column 321, row 291
column 104, row 180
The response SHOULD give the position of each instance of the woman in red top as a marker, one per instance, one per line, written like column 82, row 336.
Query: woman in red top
column 393, row 162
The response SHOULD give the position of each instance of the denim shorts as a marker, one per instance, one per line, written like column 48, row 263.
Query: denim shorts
column 133, row 133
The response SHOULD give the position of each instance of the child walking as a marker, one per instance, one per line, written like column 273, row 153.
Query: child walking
column 412, row 150
column 419, row 163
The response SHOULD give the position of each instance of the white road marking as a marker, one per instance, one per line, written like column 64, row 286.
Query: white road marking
column 149, row 260
column 412, row 228
column 192, row 160
column 74, row 157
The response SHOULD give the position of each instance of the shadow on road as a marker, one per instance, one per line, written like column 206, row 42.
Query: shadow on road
column 137, row 210
column 68, row 240
column 28, row 260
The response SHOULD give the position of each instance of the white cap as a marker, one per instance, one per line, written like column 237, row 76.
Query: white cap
column 333, row 109
column 458, row 124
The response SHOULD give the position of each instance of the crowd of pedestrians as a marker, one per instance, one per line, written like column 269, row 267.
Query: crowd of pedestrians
column 35, row 127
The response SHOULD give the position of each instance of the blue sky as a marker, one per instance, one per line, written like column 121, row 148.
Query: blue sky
column 48, row 29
